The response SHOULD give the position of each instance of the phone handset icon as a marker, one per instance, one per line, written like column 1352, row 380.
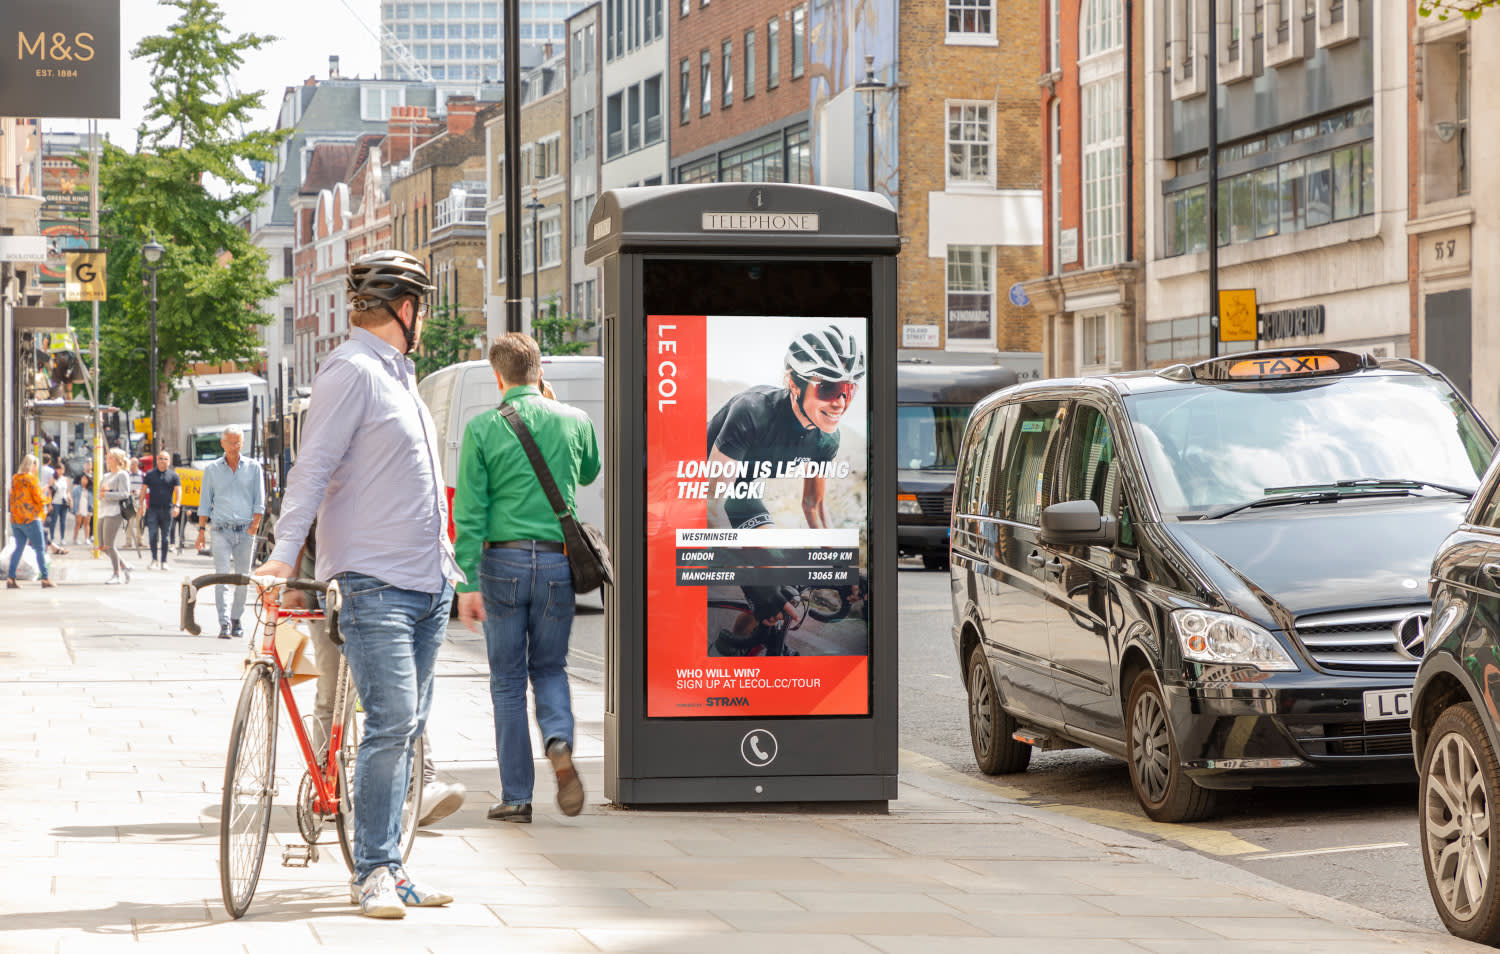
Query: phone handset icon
column 758, row 747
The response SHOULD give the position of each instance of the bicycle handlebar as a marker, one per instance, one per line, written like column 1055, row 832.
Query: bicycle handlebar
column 190, row 588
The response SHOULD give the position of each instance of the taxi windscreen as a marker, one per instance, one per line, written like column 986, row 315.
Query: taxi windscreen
column 1207, row 448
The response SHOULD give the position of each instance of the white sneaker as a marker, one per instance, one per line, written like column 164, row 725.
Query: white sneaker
column 164, row 564
column 151, row 565
column 417, row 896
column 376, row 895
column 439, row 800
column 126, row 568
column 114, row 578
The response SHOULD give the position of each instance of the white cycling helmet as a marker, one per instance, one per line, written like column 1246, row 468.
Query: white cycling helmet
column 828, row 354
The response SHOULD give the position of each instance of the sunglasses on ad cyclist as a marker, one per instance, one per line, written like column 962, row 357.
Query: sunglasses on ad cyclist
column 833, row 390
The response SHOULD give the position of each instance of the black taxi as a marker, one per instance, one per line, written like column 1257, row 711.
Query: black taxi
column 1204, row 569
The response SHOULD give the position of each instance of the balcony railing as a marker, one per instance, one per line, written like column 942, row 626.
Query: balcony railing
column 463, row 208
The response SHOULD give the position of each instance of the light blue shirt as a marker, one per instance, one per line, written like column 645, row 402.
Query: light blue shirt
column 368, row 471
column 232, row 495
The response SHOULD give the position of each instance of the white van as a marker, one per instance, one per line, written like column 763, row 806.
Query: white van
column 457, row 394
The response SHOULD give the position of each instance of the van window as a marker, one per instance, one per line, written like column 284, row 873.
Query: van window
column 927, row 435
column 1026, row 452
column 1092, row 466
column 972, row 478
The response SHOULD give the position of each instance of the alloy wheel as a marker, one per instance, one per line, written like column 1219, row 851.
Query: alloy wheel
column 1151, row 746
column 981, row 706
column 1456, row 822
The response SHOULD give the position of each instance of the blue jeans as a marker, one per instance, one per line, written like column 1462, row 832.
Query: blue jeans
column 231, row 548
column 528, row 607
column 25, row 533
column 57, row 523
column 391, row 640
column 158, row 528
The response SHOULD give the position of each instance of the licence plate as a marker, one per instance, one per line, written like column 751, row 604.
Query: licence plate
column 1382, row 704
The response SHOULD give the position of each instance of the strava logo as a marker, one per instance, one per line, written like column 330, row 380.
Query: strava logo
column 727, row 701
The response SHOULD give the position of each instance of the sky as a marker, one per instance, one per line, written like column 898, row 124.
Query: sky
column 309, row 31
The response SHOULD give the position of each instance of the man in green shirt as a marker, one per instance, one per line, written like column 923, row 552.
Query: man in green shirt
column 510, row 542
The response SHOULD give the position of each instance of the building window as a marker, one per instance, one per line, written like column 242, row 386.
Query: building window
column 375, row 102
column 1056, row 144
column 1461, row 131
column 773, row 53
column 1099, row 337
column 799, row 40
column 583, row 136
column 1101, row 29
column 1179, row 339
column 1103, row 172
column 651, row 95
column 760, row 161
column 799, row 155
column 528, row 260
column 970, row 144
column 685, row 6
column 582, row 206
column 971, row 296
column 633, row 129
column 551, row 229
column 1054, row 36
column 685, row 89
column 726, row 74
column 749, row 64
column 971, row 17
column 705, row 83
column 704, row 170
column 614, row 126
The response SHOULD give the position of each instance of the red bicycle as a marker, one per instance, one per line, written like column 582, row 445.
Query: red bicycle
column 250, row 766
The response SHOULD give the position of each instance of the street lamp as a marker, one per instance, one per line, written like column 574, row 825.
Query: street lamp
column 536, row 256
column 151, row 253
column 871, row 86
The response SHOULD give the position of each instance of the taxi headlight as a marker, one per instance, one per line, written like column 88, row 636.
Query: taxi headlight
column 1209, row 637
column 907, row 504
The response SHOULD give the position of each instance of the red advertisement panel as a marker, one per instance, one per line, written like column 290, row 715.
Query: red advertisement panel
column 757, row 515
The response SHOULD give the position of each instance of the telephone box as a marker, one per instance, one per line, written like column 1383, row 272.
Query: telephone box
column 750, row 340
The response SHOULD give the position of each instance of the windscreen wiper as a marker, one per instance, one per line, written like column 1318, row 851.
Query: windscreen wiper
column 1377, row 483
column 1310, row 497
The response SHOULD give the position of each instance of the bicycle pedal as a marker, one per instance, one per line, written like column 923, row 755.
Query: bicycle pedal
column 298, row 856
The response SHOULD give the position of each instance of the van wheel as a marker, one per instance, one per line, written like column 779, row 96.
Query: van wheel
column 934, row 559
column 990, row 726
column 1459, row 778
column 1163, row 788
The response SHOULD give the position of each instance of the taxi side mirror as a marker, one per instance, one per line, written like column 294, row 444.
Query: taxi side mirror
column 1077, row 523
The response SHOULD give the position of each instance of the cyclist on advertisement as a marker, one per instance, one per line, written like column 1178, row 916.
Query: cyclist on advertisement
column 368, row 472
column 791, row 424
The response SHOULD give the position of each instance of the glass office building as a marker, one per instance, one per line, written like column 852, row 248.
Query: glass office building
column 461, row 41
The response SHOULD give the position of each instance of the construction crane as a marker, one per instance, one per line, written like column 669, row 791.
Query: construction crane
column 405, row 62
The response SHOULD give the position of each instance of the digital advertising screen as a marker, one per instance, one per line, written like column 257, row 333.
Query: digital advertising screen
column 757, row 516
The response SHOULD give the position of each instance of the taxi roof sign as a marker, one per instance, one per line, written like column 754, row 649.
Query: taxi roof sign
column 1279, row 365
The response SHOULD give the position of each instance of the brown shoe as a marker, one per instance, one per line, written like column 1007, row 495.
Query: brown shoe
column 569, row 788
column 48, row 584
column 11, row 584
column 519, row 814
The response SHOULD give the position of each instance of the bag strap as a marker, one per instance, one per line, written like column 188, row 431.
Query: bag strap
column 538, row 464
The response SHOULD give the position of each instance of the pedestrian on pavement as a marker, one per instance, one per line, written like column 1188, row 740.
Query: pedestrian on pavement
column 510, row 540
column 233, row 500
column 161, row 501
column 439, row 799
column 114, row 488
column 133, row 525
column 27, row 505
column 368, row 471
column 83, row 507
column 57, row 517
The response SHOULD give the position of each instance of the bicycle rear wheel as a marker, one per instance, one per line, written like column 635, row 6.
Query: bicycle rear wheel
column 249, row 786
column 348, row 755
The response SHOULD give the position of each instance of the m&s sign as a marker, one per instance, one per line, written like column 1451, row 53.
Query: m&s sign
column 60, row 58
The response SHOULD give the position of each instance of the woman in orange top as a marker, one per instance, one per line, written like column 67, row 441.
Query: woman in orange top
column 27, row 507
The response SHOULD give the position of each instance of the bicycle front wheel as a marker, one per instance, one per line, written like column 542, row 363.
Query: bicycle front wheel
column 249, row 786
column 348, row 756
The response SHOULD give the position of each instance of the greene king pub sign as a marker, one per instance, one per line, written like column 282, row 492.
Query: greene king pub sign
column 60, row 58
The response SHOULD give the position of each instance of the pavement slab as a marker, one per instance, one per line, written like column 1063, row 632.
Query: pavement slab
column 113, row 729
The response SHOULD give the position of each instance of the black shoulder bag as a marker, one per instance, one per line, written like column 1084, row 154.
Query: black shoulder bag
column 588, row 556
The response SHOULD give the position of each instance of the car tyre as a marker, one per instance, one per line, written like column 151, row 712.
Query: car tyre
column 1165, row 791
column 991, row 728
column 1459, row 781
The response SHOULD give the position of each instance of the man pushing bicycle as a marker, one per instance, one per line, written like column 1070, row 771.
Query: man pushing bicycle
column 368, row 471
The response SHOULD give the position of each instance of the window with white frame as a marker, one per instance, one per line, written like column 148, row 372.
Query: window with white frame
column 1098, row 343
column 1103, row 171
column 970, row 18
column 582, row 206
column 971, row 296
column 799, row 40
column 1101, row 28
column 705, row 83
column 684, row 90
column 1185, row 19
column 550, row 226
column 376, row 102
column 971, row 144
column 1055, row 137
column 726, row 74
column 528, row 249
column 1054, row 36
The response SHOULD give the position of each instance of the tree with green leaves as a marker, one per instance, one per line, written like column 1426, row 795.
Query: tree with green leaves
column 1443, row 9
column 186, row 184
column 446, row 339
column 556, row 333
